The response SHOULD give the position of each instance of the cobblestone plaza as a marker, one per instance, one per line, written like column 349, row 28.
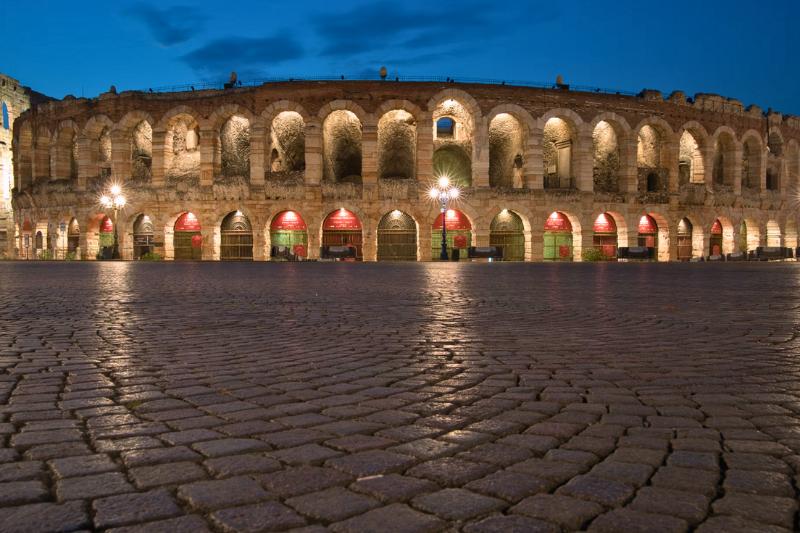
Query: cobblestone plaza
column 399, row 397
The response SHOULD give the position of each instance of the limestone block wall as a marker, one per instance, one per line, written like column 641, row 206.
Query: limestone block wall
column 376, row 147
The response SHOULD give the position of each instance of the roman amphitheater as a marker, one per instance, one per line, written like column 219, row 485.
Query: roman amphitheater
column 284, row 169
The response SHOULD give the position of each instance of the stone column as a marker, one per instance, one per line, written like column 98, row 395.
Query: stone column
column 629, row 168
column 586, row 241
column 121, row 152
column 762, row 171
column 425, row 149
column 424, row 243
column 480, row 154
column 159, row 239
column 584, row 176
column 260, row 251
column 84, row 165
column 314, row 241
column 671, row 152
column 534, row 166
column 209, row 244
column 158, row 164
column 369, row 153
column 313, row 155
column 537, row 239
column 369, row 246
column 737, row 171
column 208, row 148
column 258, row 140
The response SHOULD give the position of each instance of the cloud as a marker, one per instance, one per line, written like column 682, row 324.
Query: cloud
column 170, row 25
column 387, row 25
column 245, row 54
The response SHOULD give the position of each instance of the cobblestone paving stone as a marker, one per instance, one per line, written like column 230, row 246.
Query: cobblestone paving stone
column 380, row 397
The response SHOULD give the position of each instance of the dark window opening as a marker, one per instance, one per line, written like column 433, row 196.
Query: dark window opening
column 445, row 128
column 652, row 182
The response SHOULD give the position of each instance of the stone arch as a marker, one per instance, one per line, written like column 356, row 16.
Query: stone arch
column 181, row 143
column 397, row 144
column 511, row 230
column 463, row 135
column 342, row 131
column 728, row 234
column 462, row 97
column 752, row 160
column 610, row 151
column 621, row 224
column 42, row 161
column 724, row 156
column 286, row 122
column 690, row 238
column 775, row 141
column 774, row 236
column 663, row 235
column 169, row 228
column 133, row 137
column 233, row 237
column 65, row 153
column 654, row 139
column 343, row 105
column 576, row 231
column 346, row 237
column 693, row 147
column 405, row 105
column 507, row 146
column 98, row 144
column 790, row 234
column 749, row 234
column 793, row 164
column 560, row 132
column 397, row 237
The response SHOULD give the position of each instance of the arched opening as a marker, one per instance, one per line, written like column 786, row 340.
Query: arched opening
column 648, row 234
column 39, row 243
column 506, row 151
column 187, row 240
column 397, row 237
column 715, row 242
column 452, row 142
column 287, row 144
column 73, row 238
column 6, row 118
column 452, row 161
column 341, row 142
column 774, row 234
column 106, row 239
column 724, row 160
column 557, row 147
column 141, row 151
column 97, row 134
column 604, row 236
column 288, row 236
column 459, row 233
column 397, row 145
column 690, row 160
column 343, row 228
column 652, row 169
column 182, row 148
column 237, row 238
column 684, row 240
column 234, row 140
column 557, row 237
column 606, row 158
column 143, row 236
column 507, row 232
column 751, row 164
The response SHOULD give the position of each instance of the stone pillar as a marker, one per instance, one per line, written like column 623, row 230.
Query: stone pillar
column 260, row 250
column 84, row 167
column 707, row 154
column 671, row 152
column 314, row 241
column 208, row 148
column 369, row 153
column 425, row 149
column 737, row 171
column 672, row 245
column 209, row 243
column 121, row 152
column 158, row 165
column 424, row 243
column 586, row 242
column 629, row 167
column 480, row 154
column 762, row 170
column 537, row 239
column 313, row 155
column 584, row 176
column 534, row 166
column 480, row 237
column 258, row 142
column 159, row 240
column 369, row 246
column 83, row 244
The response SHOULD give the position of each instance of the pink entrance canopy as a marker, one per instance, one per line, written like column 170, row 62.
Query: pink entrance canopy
column 456, row 220
column 557, row 222
column 605, row 224
column 187, row 222
column 341, row 220
column 288, row 221
column 647, row 225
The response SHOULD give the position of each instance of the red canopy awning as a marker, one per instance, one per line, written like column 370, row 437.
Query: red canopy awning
column 341, row 220
column 456, row 220
column 288, row 221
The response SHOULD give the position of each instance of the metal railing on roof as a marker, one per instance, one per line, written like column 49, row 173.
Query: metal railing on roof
column 213, row 85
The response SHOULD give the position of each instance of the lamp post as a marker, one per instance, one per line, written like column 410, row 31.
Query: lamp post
column 114, row 199
column 443, row 192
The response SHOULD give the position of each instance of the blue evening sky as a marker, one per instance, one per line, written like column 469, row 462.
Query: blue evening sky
column 742, row 49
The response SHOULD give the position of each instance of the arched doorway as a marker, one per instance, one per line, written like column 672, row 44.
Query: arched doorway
column 604, row 236
column 648, row 234
column 684, row 240
column 39, row 243
column 343, row 228
column 458, row 229
column 26, row 243
column 106, row 239
column 237, row 238
column 142, row 236
column 557, row 238
column 187, row 240
column 508, row 233
column 397, row 237
column 73, row 237
column 288, row 236
column 715, row 243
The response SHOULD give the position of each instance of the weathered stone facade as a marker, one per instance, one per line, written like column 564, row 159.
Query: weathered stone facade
column 14, row 100
column 375, row 147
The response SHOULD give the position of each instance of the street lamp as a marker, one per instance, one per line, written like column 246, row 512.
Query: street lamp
column 114, row 199
column 443, row 192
